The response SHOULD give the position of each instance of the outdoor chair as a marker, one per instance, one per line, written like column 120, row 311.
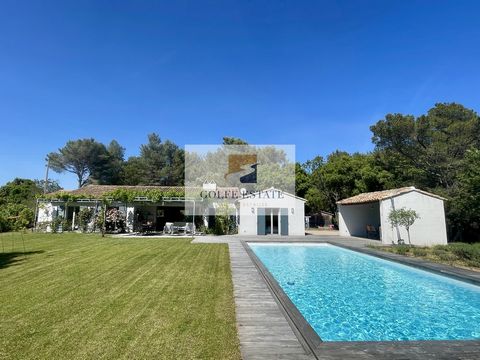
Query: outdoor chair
column 147, row 228
column 179, row 227
column 371, row 232
column 189, row 228
column 168, row 228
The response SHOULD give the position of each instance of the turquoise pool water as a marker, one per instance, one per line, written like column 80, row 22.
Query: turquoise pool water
column 349, row 296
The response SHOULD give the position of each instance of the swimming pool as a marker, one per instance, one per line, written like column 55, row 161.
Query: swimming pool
column 348, row 296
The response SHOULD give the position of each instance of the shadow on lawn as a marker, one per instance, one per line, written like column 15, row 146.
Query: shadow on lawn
column 14, row 258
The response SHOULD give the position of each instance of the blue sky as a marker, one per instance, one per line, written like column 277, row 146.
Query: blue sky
column 315, row 74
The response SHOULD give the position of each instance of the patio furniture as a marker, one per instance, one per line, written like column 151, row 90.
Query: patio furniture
column 189, row 228
column 147, row 227
column 179, row 227
column 371, row 232
column 168, row 228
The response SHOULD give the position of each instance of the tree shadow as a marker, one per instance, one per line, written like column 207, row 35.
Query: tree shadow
column 15, row 258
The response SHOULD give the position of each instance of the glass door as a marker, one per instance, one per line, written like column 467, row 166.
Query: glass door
column 275, row 221
column 272, row 221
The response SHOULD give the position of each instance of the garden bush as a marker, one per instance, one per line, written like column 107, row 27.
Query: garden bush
column 15, row 217
column 443, row 253
column 402, row 249
column 56, row 225
column 85, row 216
column 466, row 251
column 454, row 254
column 419, row 251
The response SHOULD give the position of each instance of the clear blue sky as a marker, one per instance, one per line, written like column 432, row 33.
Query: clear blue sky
column 315, row 74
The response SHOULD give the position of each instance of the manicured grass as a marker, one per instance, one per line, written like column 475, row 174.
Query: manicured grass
column 455, row 254
column 75, row 296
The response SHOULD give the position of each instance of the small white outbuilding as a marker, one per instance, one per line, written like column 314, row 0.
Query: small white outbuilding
column 271, row 212
column 366, row 215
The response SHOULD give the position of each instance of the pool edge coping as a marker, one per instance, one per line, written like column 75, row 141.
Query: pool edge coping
column 312, row 341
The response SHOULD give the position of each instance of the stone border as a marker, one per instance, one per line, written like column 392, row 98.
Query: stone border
column 428, row 349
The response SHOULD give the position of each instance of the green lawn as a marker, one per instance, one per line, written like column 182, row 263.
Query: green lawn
column 83, row 297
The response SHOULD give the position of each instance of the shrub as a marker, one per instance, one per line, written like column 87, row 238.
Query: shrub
column 15, row 217
column 447, row 256
column 84, row 217
column 224, row 222
column 443, row 253
column 402, row 249
column 56, row 225
column 466, row 251
column 419, row 252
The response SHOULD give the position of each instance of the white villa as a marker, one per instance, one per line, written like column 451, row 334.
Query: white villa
column 269, row 212
column 366, row 215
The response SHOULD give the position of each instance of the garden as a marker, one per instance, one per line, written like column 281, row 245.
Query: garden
column 455, row 254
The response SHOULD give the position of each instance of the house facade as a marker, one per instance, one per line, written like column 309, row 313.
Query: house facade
column 271, row 212
column 151, row 208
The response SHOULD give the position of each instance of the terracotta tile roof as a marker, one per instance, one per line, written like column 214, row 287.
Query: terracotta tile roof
column 382, row 195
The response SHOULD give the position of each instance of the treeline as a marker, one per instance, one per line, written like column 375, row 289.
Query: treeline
column 159, row 163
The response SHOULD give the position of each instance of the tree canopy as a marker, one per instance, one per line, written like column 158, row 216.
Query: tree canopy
column 159, row 163
column 434, row 143
column 86, row 158
column 20, row 191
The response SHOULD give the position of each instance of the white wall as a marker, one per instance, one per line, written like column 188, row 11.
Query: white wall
column 429, row 230
column 45, row 215
column 248, row 220
column 353, row 219
column 45, row 212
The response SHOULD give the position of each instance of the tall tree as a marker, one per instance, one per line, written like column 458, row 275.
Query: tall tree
column 111, row 166
column 344, row 175
column 132, row 171
column 161, row 163
column 83, row 157
column 464, row 204
column 434, row 143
